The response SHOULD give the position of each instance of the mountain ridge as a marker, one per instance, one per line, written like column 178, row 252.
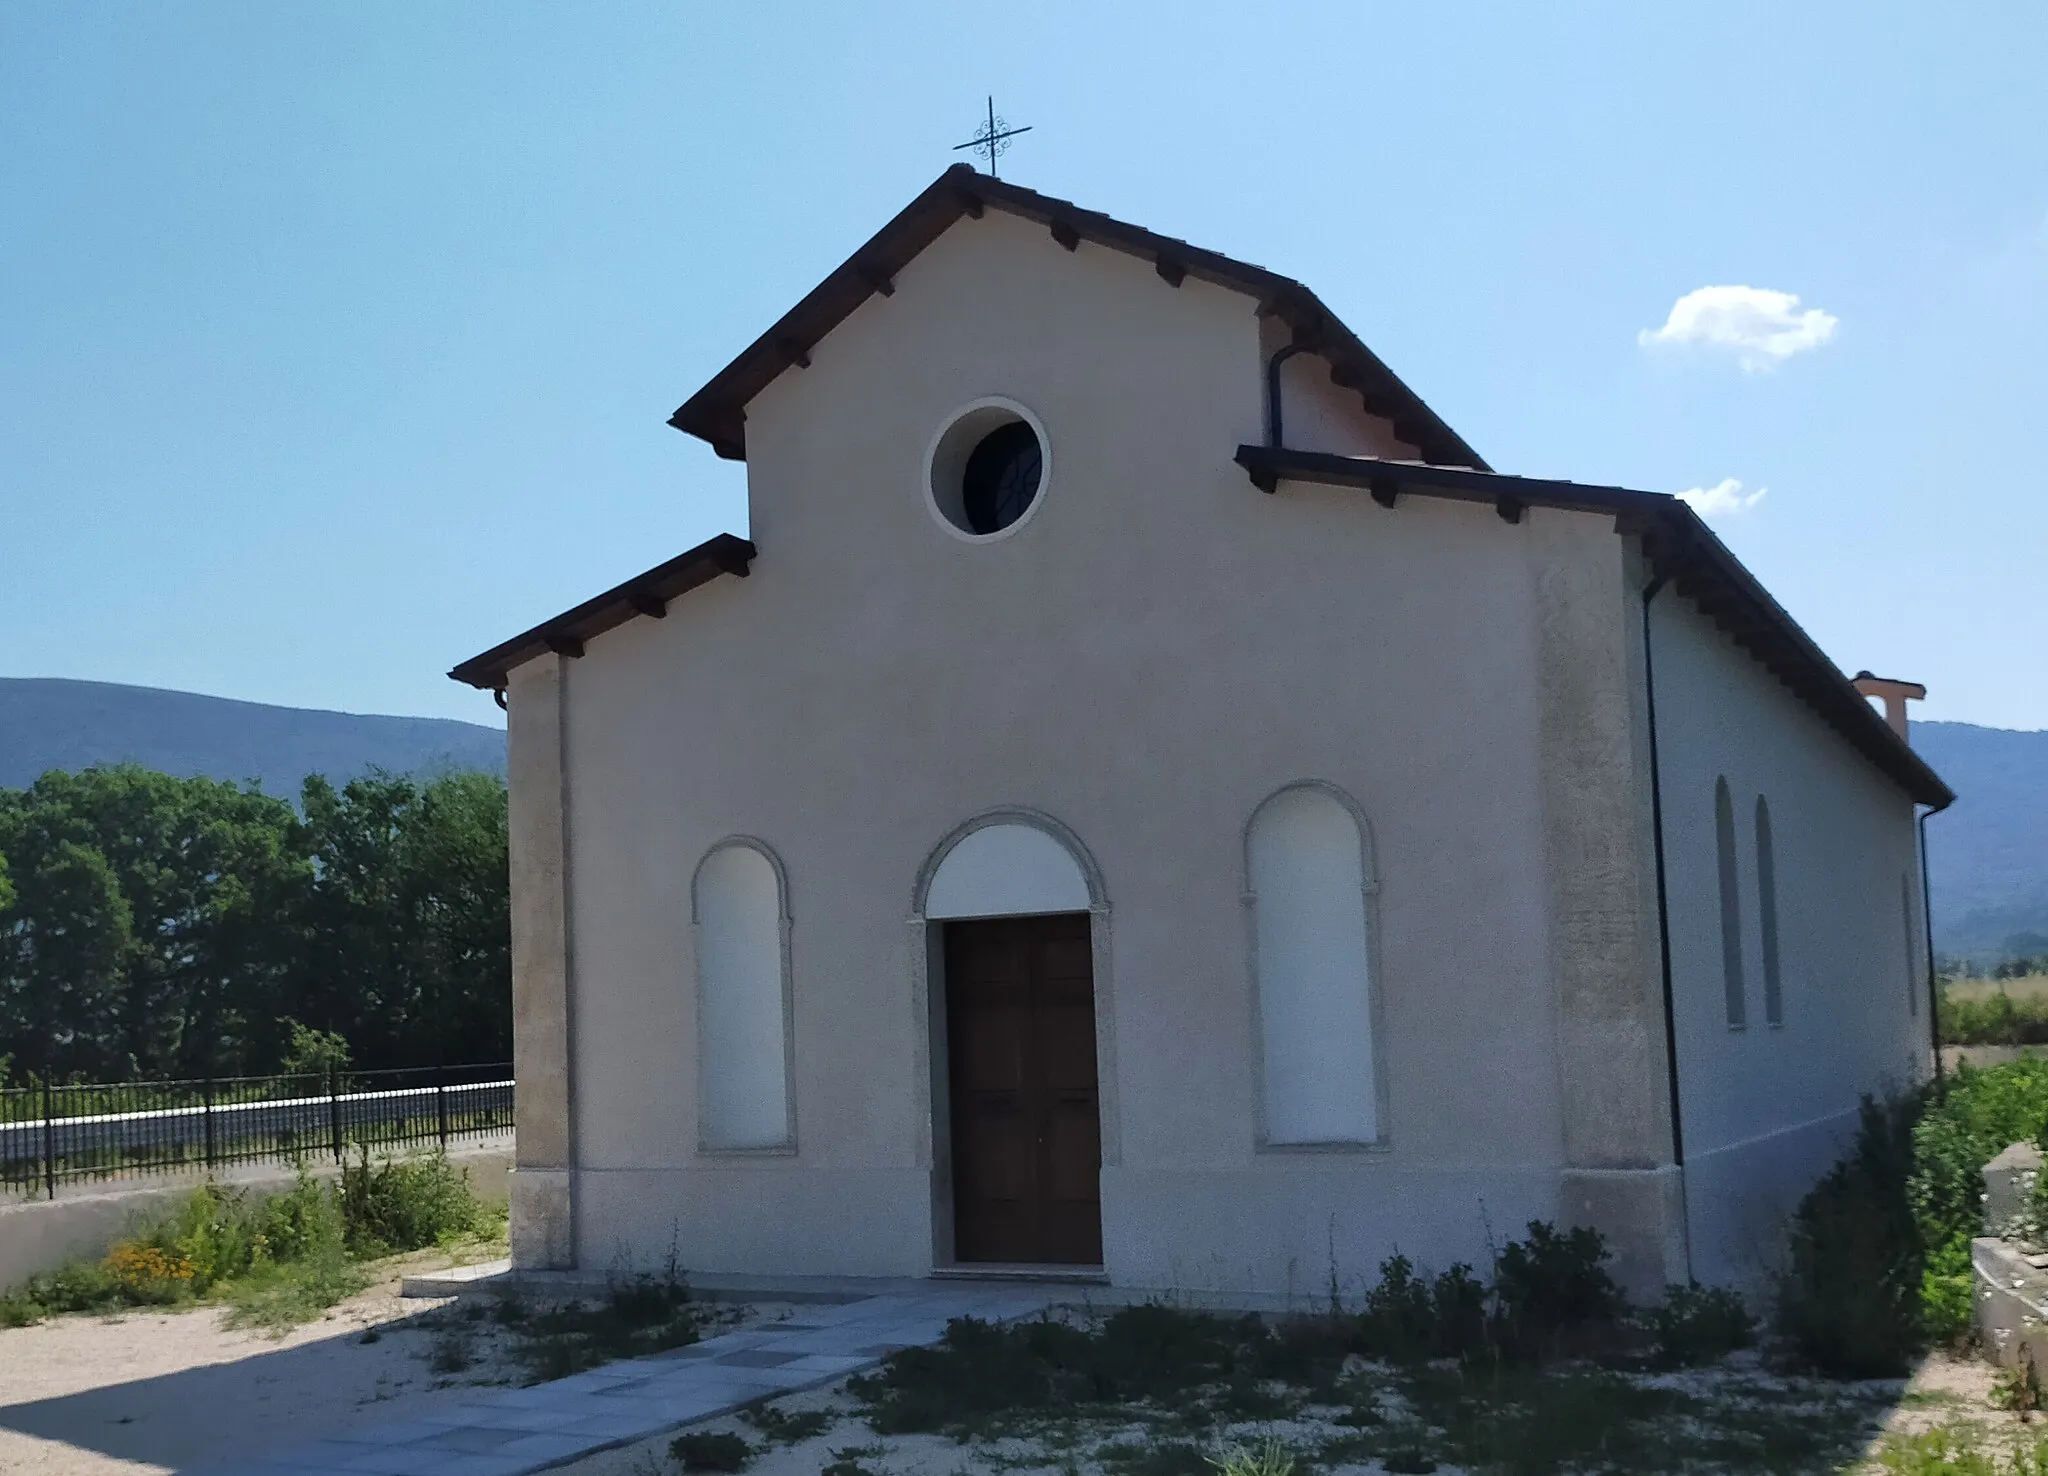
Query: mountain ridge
column 1987, row 854
column 60, row 723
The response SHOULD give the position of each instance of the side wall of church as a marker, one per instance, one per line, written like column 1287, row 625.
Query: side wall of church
column 1154, row 653
column 1767, row 1107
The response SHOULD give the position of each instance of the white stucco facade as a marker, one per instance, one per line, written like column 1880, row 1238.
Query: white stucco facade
column 1087, row 715
column 1768, row 1107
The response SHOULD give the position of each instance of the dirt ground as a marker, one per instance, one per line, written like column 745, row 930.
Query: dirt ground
column 165, row 1391
column 155, row 1392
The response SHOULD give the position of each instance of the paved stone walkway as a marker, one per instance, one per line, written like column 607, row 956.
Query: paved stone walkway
column 508, row 1432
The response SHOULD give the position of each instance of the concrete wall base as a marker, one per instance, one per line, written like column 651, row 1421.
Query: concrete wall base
column 1642, row 1214
column 543, row 1225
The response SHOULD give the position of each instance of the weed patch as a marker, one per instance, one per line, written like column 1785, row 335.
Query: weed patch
column 1696, row 1325
column 787, row 1427
column 719, row 1452
column 1197, row 1384
column 846, row 1461
column 646, row 1314
column 1267, row 1458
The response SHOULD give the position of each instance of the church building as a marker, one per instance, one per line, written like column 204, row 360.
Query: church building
column 1146, row 802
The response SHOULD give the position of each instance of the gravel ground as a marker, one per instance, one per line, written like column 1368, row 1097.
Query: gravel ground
column 1946, row 1391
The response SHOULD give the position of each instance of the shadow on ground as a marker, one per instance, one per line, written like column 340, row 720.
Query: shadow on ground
column 243, row 1406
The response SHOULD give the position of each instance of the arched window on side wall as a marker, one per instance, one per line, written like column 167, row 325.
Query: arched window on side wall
column 1731, row 907
column 741, row 921
column 1767, row 913
column 1308, row 873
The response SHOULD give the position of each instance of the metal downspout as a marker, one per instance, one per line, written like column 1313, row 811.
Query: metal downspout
column 1664, row 925
column 1663, row 889
column 1927, row 927
column 1280, row 356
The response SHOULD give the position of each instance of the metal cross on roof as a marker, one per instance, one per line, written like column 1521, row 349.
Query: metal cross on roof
column 993, row 139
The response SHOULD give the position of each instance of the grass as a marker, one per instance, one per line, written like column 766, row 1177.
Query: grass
column 2024, row 987
column 1958, row 1450
column 273, row 1260
column 1995, row 1011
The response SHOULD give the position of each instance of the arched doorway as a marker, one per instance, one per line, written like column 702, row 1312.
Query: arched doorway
column 1009, row 905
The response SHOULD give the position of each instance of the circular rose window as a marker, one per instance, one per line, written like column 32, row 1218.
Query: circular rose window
column 986, row 471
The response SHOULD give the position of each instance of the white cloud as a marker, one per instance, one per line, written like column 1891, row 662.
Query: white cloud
column 1725, row 499
column 1762, row 328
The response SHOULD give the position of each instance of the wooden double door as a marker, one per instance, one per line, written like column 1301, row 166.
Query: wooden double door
column 1027, row 1132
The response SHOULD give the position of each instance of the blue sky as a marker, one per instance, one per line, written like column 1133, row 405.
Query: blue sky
column 336, row 341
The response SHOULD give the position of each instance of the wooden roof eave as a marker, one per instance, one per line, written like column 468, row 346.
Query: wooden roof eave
column 716, row 413
column 645, row 594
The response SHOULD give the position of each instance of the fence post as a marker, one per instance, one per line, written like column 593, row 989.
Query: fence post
column 334, row 1107
column 441, row 1110
column 49, row 1146
column 209, row 1124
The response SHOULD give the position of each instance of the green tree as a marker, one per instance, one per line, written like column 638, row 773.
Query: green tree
column 69, row 940
column 208, row 876
column 158, row 926
column 411, row 902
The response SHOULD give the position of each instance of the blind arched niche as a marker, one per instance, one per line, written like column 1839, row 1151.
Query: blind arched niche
column 1736, row 994
column 741, row 915
column 1309, row 878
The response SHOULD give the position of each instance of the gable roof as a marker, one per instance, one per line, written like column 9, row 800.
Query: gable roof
column 717, row 412
column 1682, row 550
column 1680, row 547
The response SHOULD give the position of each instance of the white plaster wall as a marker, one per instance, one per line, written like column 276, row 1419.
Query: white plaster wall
column 1159, row 650
column 1766, row 1108
column 1319, row 415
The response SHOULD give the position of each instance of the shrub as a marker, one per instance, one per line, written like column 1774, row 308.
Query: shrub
column 720, row 1452
column 1973, row 1117
column 1399, row 1314
column 787, row 1427
column 1459, row 1325
column 1850, row 1302
column 406, row 1204
column 1550, row 1283
column 1997, row 1019
column 80, row 1286
column 149, row 1276
column 1697, row 1325
column 276, row 1260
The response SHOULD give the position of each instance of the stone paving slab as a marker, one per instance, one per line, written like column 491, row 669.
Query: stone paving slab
column 515, row 1431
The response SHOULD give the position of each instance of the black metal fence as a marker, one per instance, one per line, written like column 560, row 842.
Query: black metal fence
column 50, row 1135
